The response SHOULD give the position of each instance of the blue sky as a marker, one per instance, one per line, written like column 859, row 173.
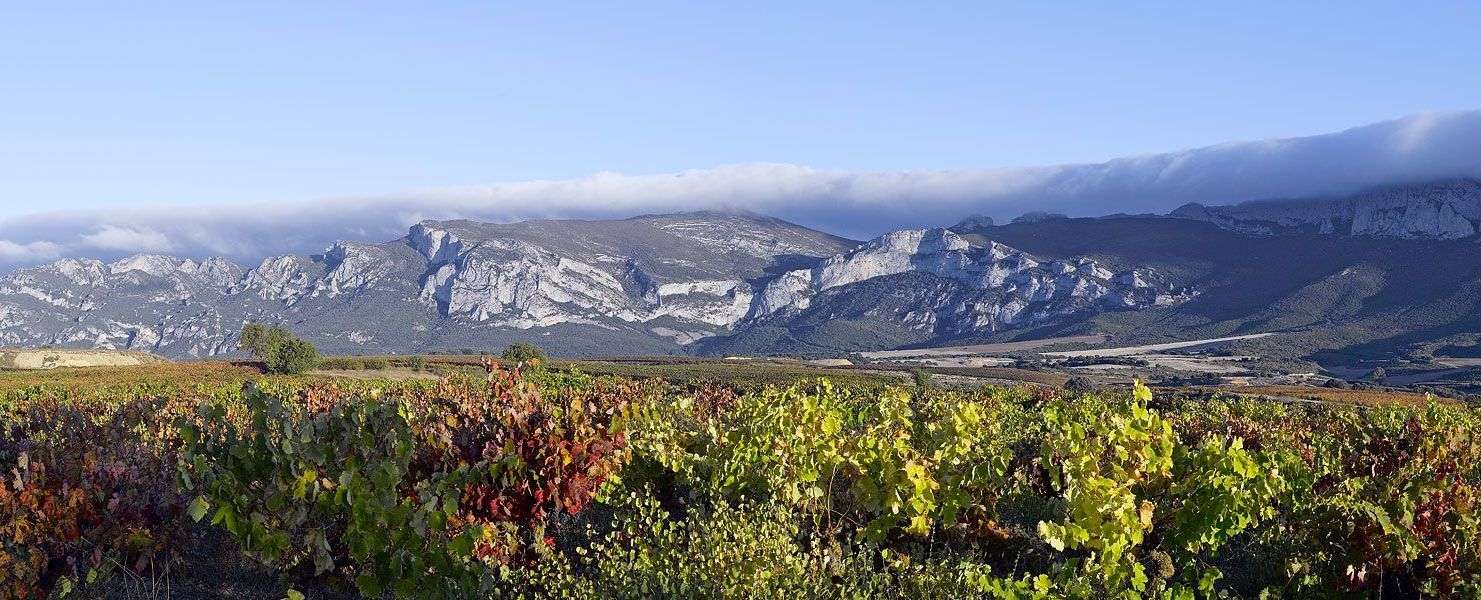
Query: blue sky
column 110, row 105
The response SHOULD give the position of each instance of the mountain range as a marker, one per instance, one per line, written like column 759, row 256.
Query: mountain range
column 1384, row 272
column 645, row 285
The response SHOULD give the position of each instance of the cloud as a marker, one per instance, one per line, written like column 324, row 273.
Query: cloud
column 11, row 252
column 857, row 204
column 128, row 239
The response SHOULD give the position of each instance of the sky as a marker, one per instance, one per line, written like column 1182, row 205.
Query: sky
column 180, row 109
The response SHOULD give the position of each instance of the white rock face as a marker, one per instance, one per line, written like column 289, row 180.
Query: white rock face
column 438, row 245
column 184, row 273
column 1009, row 286
column 352, row 267
column 541, row 273
column 215, row 271
column 721, row 303
column 936, row 251
column 793, row 289
column 281, row 278
column 81, row 272
column 1414, row 219
column 1450, row 210
column 153, row 264
column 522, row 285
column 144, row 302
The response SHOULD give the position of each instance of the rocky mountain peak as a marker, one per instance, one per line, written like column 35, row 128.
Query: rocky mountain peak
column 975, row 222
column 435, row 243
column 213, row 271
column 153, row 264
column 79, row 271
column 1438, row 210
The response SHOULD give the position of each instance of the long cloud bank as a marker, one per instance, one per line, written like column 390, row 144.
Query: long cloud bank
column 1417, row 148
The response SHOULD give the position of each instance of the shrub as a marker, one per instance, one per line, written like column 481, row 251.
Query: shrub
column 921, row 378
column 377, row 364
column 87, row 490
column 282, row 352
column 520, row 353
column 292, row 356
column 893, row 463
column 1080, row 384
column 259, row 340
column 415, row 493
column 751, row 550
column 1135, row 496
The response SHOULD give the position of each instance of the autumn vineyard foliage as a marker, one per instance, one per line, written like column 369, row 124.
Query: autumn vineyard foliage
column 553, row 483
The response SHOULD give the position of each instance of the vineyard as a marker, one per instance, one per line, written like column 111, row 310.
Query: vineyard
column 562, row 484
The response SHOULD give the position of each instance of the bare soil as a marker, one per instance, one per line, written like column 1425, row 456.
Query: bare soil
column 51, row 358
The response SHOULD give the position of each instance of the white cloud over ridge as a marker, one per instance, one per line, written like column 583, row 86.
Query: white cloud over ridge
column 1423, row 147
column 11, row 252
column 127, row 239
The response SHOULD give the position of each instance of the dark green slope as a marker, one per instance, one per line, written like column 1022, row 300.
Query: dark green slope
column 1341, row 299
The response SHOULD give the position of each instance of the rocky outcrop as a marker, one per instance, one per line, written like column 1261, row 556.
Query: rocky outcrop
column 519, row 284
column 994, row 286
column 1446, row 210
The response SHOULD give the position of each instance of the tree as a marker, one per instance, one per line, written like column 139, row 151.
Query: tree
column 254, row 339
column 520, row 353
column 293, row 356
column 1378, row 375
column 260, row 340
column 283, row 352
